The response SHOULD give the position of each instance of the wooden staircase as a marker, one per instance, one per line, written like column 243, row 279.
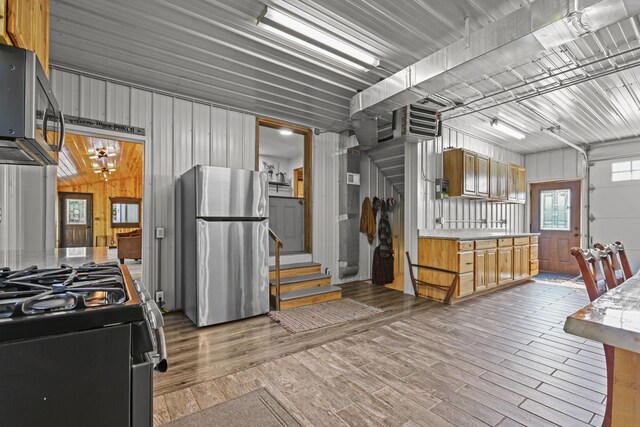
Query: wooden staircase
column 302, row 284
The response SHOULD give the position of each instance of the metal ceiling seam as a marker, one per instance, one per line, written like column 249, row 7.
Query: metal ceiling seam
column 265, row 83
column 161, row 21
column 265, row 100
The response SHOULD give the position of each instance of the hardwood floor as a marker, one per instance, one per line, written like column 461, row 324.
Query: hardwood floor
column 501, row 359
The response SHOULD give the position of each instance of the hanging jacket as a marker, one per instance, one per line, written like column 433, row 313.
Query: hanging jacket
column 368, row 220
column 385, row 234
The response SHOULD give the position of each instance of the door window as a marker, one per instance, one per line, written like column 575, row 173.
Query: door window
column 625, row 171
column 76, row 212
column 555, row 209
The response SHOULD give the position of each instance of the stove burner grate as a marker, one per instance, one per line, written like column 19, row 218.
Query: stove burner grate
column 33, row 291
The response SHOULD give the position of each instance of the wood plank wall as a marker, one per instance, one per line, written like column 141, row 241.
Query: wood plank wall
column 102, row 192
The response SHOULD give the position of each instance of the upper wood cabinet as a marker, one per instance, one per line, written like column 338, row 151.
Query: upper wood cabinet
column 467, row 173
column 482, row 180
column 25, row 24
column 497, row 181
column 477, row 176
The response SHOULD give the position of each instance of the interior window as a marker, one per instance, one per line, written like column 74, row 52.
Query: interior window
column 625, row 171
column 125, row 213
column 555, row 209
column 76, row 212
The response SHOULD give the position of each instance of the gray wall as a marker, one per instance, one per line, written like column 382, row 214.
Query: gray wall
column 182, row 133
column 27, row 208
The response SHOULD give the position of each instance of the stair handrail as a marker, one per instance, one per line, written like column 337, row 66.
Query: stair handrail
column 278, row 244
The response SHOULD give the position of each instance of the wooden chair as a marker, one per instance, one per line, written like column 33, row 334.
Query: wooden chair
column 415, row 282
column 626, row 267
column 616, row 264
column 598, row 276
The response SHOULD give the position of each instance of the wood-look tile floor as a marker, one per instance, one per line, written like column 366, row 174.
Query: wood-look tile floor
column 502, row 359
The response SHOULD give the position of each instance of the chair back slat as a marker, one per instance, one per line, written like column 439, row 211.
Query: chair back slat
column 622, row 254
column 596, row 270
column 616, row 264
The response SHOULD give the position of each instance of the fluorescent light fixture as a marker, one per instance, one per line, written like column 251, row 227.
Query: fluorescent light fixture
column 286, row 132
column 507, row 129
column 312, row 38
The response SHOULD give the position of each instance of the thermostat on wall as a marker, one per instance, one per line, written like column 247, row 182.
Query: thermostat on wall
column 353, row 178
column 159, row 232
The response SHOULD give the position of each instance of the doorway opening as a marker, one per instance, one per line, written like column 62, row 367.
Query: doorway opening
column 284, row 152
column 99, row 186
column 556, row 215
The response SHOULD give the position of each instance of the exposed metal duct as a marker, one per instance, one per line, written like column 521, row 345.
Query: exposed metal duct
column 530, row 30
column 348, row 209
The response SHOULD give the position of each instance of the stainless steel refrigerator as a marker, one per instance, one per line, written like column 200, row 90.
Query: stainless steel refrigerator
column 225, row 244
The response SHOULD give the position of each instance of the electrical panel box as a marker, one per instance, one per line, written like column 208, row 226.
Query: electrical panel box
column 353, row 178
column 442, row 188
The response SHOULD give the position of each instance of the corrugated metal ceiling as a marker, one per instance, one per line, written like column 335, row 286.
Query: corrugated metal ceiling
column 213, row 50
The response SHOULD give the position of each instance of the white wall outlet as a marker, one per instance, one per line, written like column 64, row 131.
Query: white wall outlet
column 159, row 232
column 159, row 296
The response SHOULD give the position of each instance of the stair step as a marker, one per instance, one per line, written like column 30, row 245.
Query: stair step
column 306, row 281
column 294, row 265
column 295, row 269
column 308, row 296
column 301, row 278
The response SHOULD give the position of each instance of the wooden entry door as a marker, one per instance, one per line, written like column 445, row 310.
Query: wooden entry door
column 555, row 214
column 76, row 220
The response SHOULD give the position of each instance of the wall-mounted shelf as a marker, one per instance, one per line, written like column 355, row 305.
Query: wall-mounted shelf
column 278, row 185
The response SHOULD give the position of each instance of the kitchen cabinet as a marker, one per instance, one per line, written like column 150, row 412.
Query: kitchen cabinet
column 512, row 183
column 467, row 173
column 505, row 265
column 475, row 266
column 476, row 176
column 481, row 270
column 482, row 176
column 521, row 184
column 25, row 24
column 491, row 268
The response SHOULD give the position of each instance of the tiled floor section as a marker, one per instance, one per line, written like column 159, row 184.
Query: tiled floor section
column 501, row 359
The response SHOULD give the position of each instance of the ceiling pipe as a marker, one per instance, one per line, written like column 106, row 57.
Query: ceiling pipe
column 530, row 30
column 584, row 150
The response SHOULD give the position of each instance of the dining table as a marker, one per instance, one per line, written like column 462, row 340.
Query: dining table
column 614, row 319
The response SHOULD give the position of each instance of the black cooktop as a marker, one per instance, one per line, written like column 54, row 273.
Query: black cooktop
column 38, row 302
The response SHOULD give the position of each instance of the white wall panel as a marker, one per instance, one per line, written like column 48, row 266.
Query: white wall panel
column 93, row 98
column 118, row 104
column 66, row 86
column 181, row 133
column 27, row 208
column 219, row 140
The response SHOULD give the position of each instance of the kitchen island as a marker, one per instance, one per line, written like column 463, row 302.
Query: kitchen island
column 475, row 261
column 18, row 259
column 614, row 319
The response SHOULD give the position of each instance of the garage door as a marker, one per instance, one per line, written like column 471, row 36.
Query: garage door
column 615, row 204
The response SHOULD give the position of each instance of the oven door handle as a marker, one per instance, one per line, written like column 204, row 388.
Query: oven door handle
column 161, row 364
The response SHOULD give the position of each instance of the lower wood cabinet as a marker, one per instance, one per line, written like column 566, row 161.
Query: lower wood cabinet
column 481, row 270
column 491, row 269
column 476, row 266
column 505, row 265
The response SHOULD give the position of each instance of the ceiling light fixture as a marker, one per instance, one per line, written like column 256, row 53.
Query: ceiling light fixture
column 507, row 129
column 312, row 38
column 286, row 132
column 100, row 153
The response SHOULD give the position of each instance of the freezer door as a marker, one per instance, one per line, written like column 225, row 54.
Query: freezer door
column 231, row 193
column 233, row 270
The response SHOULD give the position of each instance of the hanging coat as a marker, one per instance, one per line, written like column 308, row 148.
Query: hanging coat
column 382, row 268
column 368, row 220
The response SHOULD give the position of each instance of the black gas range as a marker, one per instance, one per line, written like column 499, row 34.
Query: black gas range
column 78, row 346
